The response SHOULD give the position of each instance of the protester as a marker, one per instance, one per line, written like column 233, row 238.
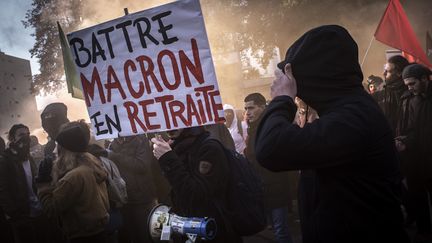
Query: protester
column 197, row 169
column 133, row 157
column 74, row 188
column 220, row 132
column 375, row 86
column 306, row 183
column 414, row 142
column 116, row 188
column 305, row 114
column 350, row 147
column 277, row 197
column 235, row 128
column 36, row 150
column 18, row 198
column 394, row 88
column 52, row 117
column 241, row 115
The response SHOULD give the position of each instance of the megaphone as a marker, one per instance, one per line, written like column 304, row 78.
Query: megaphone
column 162, row 223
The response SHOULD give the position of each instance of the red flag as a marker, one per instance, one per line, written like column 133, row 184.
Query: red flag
column 429, row 46
column 395, row 30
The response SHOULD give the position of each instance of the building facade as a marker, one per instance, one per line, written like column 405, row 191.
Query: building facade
column 17, row 104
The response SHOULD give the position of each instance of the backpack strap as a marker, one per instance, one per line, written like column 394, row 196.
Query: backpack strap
column 216, row 202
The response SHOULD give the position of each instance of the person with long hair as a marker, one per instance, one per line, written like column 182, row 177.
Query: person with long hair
column 73, row 188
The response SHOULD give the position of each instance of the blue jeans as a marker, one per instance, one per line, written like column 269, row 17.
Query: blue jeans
column 278, row 217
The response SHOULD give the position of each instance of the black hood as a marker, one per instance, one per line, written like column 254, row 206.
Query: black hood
column 325, row 64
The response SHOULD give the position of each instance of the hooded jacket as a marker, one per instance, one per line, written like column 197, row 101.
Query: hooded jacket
column 195, row 192
column 80, row 199
column 350, row 148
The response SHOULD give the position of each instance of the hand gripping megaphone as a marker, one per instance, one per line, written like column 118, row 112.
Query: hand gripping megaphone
column 162, row 223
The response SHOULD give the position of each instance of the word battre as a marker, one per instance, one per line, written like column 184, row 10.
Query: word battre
column 150, row 83
column 84, row 56
column 202, row 108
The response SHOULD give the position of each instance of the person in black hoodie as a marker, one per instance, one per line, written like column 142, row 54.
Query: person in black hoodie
column 196, row 168
column 350, row 148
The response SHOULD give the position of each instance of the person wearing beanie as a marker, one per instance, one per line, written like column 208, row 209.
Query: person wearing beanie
column 414, row 144
column 73, row 188
column 350, row 148
column 52, row 117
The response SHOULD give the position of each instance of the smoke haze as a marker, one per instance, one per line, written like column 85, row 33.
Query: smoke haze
column 360, row 17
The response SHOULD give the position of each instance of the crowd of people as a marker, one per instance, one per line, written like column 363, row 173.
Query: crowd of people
column 354, row 162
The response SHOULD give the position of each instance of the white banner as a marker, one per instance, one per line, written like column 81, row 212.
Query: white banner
column 148, row 71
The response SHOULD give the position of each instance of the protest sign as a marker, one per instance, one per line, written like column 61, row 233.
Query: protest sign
column 147, row 72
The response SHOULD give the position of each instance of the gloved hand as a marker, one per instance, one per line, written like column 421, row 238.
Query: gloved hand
column 45, row 168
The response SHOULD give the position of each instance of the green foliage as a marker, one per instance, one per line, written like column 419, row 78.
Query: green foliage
column 43, row 17
column 232, row 26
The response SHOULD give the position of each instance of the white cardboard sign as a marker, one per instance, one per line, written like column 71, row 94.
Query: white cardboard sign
column 147, row 72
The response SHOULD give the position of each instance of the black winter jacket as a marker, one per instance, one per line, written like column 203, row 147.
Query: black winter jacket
column 14, row 197
column 193, row 193
column 351, row 147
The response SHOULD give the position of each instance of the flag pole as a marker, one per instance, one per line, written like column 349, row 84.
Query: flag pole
column 367, row 50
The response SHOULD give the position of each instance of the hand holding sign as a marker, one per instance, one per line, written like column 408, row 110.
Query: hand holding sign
column 149, row 71
column 160, row 146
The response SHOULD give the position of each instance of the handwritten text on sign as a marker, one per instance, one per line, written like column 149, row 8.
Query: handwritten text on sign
column 148, row 71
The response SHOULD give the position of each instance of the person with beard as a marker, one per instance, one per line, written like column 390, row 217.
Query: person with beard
column 196, row 168
column 276, row 196
column 416, row 142
column 18, row 199
column 350, row 147
column 394, row 88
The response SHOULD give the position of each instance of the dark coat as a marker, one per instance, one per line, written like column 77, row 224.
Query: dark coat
column 421, row 135
column 351, row 147
column 13, row 185
column 276, row 194
column 133, row 158
column 193, row 193
column 405, row 130
column 392, row 102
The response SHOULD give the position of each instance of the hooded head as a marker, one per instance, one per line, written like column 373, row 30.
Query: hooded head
column 325, row 65
column 185, row 134
column 230, row 116
column 53, row 116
